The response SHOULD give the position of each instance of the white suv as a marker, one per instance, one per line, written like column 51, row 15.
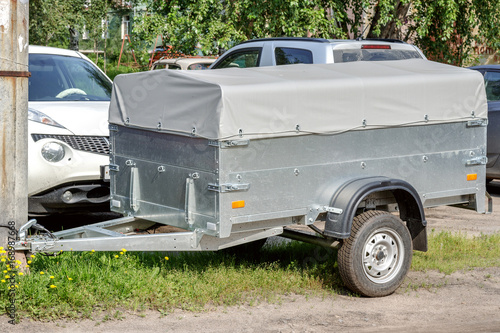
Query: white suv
column 68, row 133
column 295, row 50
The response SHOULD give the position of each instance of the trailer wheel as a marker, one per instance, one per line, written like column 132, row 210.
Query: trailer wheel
column 247, row 249
column 375, row 259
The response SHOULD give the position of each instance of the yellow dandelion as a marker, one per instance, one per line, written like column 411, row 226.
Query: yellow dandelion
column 70, row 279
column 52, row 286
column 41, row 273
column 3, row 281
column 121, row 252
column 18, row 262
column 116, row 256
column 3, row 259
column 32, row 256
column 29, row 261
column 92, row 251
column 166, row 258
column 5, row 272
column 17, row 286
column 27, row 266
column 52, row 276
column 8, row 268
column 1, row 247
column 20, row 273
column 17, row 266
column 7, row 276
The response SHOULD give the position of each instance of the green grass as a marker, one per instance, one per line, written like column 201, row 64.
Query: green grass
column 449, row 252
column 87, row 283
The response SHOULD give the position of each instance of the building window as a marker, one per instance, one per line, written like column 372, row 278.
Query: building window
column 125, row 25
column 85, row 34
column 104, row 27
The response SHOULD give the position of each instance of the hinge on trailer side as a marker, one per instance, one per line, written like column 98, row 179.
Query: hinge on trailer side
column 113, row 127
column 477, row 123
column 229, row 143
column 228, row 187
column 481, row 160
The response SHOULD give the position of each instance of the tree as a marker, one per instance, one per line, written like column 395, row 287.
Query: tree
column 44, row 24
column 447, row 30
column 54, row 21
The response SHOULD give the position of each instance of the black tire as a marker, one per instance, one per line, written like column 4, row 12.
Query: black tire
column 375, row 259
column 247, row 249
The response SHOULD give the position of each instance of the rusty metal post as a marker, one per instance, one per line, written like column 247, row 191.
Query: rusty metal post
column 13, row 115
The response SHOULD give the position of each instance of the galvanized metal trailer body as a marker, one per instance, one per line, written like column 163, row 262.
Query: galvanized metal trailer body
column 235, row 156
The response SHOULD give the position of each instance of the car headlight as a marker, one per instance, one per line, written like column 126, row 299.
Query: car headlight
column 40, row 117
column 53, row 152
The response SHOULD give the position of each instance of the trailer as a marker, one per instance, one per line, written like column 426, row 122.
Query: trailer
column 235, row 156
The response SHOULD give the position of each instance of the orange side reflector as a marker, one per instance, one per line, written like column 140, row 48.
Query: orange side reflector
column 472, row 176
column 238, row 204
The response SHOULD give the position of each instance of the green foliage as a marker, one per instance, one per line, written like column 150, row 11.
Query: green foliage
column 447, row 30
column 80, row 284
column 451, row 252
column 75, row 285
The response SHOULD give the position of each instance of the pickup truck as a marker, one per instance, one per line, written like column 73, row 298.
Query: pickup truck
column 234, row 156
column 295, row 50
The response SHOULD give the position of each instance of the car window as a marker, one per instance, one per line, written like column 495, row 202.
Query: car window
column 57, row 78
column 198, row 66
column 174, row 67
column 349, row 55
column 492, row 85
column 244, row 58
column 159, row 66
column 287, row 56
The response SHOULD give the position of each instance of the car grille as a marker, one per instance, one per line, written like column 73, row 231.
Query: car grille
column 92, row 144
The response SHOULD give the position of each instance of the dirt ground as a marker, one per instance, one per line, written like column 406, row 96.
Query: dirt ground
column 467, row 301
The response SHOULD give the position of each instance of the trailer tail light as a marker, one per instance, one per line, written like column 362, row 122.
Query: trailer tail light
column 238, row 204
column 472, row 176
column 375, row 47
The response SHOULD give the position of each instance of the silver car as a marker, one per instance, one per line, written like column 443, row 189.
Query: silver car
column 298, row 50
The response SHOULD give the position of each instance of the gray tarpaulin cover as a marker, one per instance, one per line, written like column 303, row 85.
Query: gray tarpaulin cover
column 297, row 99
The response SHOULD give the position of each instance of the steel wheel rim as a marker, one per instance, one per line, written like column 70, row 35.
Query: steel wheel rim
column 383, row 254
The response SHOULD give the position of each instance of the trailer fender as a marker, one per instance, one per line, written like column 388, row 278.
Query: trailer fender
column 349, row 196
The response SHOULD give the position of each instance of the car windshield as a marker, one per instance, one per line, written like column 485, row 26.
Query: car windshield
column 61, row 78
column 349, row 55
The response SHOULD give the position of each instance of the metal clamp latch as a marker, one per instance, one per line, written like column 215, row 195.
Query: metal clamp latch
column 481, row 160
column 228, row 187
column 229, row 143
column 477, row 123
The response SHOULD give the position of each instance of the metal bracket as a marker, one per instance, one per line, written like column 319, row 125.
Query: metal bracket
column 113, row 127
column 15, row 74
column 481, row 160
column 228, row 187
column 315, row 210
column 135, row 189
column 477, row 123
column 114, row 167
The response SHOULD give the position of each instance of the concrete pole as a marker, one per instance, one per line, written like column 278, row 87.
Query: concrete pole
column 13, row 115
